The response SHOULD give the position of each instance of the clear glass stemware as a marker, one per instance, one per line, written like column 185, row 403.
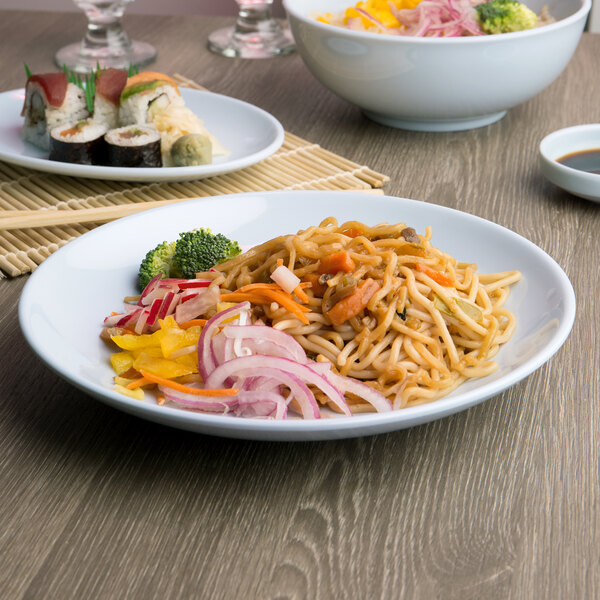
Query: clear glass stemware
column 256, row 34
column 105, row 42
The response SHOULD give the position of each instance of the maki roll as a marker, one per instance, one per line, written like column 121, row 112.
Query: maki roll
column 81, row 143
column 109, row 84
column 145, row 95
column 133, row 146
column 50, row 100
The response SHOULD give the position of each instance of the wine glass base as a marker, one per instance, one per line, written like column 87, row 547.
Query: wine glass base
column 80, row 61
column 230, row 43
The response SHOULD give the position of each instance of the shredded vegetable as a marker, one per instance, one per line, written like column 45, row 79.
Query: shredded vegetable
column 418, row 18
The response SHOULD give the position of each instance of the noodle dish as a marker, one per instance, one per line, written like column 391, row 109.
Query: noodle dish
column 340, row 317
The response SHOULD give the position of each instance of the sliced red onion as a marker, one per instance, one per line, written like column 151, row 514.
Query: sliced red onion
column 253, row 363
column 261, row 404
column 206, row 361
column 298, row 389
column 205, row 403
column 348, row 384
column 262, row 339
column 371, row 18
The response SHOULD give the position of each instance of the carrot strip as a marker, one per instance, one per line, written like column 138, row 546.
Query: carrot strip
column 193, row 323
column 187, row 389
column 302, row 295
column 265, row 296
column 260, row 286
column 351, row 305
column 138, row 383
column 435, row 275
column 340, row 261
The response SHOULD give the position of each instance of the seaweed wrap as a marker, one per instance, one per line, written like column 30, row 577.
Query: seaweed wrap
column 133, row 146
column 80, row 143
column 50, row 100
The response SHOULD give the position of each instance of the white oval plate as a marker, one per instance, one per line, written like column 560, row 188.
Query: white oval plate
column 66, row 299
column 248, row 132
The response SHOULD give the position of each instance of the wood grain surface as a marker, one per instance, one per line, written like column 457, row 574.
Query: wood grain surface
column 499, row 501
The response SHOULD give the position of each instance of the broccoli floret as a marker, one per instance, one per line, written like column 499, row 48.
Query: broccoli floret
column 201, row 249
column 158, row 260
column 504, row 16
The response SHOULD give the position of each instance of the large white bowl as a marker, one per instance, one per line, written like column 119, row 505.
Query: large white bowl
column 436, row 84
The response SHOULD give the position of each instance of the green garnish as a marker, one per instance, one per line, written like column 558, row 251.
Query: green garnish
column 88, row 85
column 27, row 71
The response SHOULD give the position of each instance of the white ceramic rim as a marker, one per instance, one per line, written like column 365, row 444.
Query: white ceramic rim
column 494, row 39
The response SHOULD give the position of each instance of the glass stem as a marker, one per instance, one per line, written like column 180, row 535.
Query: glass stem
column 105, row 30
column 256, row 17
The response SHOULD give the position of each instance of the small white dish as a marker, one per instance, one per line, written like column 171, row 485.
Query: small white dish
column 567, row 141
column 248, row 132
column 63, row 304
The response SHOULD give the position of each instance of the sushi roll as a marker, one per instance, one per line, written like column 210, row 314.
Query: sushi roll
column 81, row 143
column 133, row 146
column 145, row 95
column 50, row 100
column 109, row 83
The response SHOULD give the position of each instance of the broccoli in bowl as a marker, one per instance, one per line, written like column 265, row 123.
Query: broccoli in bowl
column 505, row 16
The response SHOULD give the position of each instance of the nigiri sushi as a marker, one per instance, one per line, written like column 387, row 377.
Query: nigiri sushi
column 50, row 100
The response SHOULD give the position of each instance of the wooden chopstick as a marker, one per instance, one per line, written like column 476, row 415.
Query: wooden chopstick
column 22, row 219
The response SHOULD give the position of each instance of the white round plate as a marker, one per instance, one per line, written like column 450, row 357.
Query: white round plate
column 66, row 299
column 567, row 141
column 248, row 132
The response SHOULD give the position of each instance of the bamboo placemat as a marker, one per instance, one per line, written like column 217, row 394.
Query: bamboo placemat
column 41, row 212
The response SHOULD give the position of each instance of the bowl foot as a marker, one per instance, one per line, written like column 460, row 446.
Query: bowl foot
column 436, row 124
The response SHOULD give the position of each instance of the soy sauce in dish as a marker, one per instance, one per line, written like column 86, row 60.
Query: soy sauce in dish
column 584, row 160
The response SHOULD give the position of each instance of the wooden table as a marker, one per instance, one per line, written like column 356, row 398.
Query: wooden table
column 500, row 501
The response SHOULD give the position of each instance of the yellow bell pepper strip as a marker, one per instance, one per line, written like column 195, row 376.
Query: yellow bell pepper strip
column 160, row 367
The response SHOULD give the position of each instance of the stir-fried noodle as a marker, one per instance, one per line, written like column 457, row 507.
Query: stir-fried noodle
column 429, row 322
